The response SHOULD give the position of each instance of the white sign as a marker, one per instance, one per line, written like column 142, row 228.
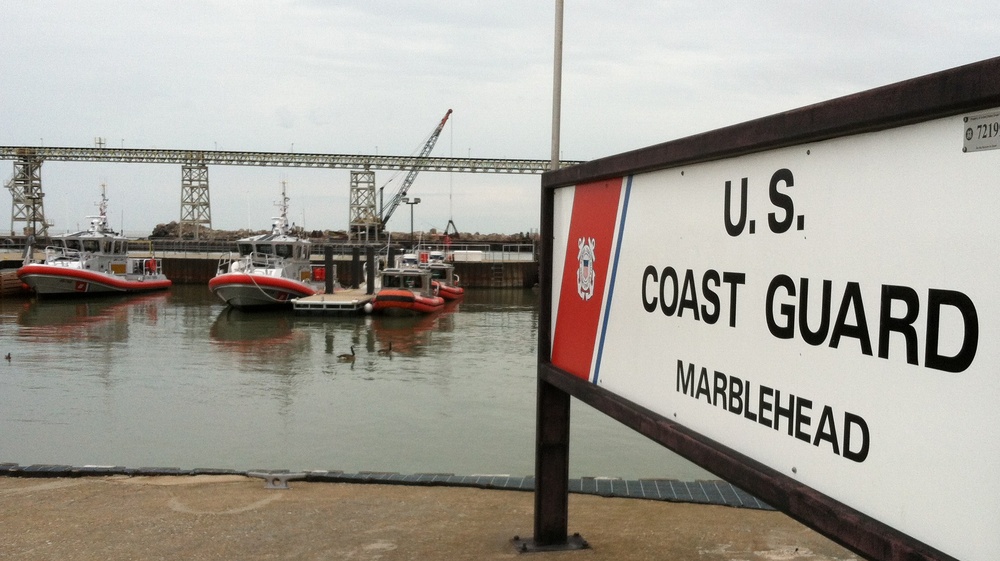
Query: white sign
column 830, row 310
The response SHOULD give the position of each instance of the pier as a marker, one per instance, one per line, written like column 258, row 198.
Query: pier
column 501, row 274
column 479, row 265
column 192, row 269
column 351, row 300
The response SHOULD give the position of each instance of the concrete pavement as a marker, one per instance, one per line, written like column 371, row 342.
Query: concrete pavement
column 235, row 517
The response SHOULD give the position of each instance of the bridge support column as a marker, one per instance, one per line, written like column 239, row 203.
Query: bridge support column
column 195, row 207
column 26, row 192
column 363, row 219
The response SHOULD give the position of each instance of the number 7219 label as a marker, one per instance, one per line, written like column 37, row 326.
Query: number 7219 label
column 982, row 131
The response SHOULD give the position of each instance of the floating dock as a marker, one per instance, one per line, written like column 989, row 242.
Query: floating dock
column 10, row 285
column 347, row 301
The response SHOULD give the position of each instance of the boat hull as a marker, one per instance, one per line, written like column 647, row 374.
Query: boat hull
column 241, row 290
column 449, row 292
column 402, row 301
column 50, row 279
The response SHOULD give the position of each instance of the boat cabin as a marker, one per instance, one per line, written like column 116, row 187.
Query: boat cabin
column 442, row 272
column 416, row 280
column 409, row 260
column 107, row 245
column 420, row 259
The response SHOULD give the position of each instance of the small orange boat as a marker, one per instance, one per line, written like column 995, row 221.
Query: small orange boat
column 444, row 277
column 406, row 291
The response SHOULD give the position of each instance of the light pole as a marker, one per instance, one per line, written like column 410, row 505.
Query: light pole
column 411, row 202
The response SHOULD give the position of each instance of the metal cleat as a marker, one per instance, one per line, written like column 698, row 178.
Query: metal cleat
column 276, row 480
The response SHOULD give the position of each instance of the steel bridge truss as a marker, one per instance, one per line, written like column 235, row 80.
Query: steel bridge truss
column 25, row 186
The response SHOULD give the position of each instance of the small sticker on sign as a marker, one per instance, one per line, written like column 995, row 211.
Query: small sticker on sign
column 982, row 131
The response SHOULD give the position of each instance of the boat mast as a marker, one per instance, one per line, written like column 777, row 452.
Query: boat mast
column 281, row 222
column 99, row 223
column 103, row 205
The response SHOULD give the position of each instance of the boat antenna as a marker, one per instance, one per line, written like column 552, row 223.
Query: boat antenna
column 99, row 223
column 281, row 222
column 103, row 205
column 284, row 200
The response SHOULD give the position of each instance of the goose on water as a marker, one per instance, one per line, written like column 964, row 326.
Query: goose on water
column 347, row 357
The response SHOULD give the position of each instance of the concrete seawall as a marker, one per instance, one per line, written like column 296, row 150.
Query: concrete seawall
column 478, row 274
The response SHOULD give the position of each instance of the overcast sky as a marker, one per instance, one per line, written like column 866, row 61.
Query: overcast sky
column 376, row 76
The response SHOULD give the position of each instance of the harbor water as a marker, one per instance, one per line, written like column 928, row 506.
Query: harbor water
column 176, row 379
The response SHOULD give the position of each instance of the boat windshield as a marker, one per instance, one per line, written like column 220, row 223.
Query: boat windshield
column 283, row 250
column 413, row 281
column 91, row 245
column 438, row 273
column 72, row 244
column 265, row 248
column 245, row 249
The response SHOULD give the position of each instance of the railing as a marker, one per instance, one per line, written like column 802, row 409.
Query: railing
column 185, row 247
column 518, row 252
column 490, row 251
column 54, row 252
column 145, row 265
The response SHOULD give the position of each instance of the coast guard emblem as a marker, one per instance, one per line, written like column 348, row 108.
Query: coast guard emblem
column 585, row 274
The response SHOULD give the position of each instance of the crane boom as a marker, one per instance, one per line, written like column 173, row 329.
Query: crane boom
column 388, row 209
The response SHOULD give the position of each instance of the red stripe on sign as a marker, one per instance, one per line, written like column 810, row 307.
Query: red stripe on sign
column 588, row 260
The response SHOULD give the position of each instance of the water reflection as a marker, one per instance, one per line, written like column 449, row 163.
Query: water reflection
column 178, row 379
column 257, row 334
column 104, row 319
column 412, row 336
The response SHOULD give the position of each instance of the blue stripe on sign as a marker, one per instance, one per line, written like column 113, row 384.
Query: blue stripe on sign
column 614, row 273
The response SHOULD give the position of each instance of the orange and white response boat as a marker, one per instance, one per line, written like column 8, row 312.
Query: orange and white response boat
column 269, row 269
column 93, row 261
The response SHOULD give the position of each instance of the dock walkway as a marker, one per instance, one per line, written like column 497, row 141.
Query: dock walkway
column 346, row 301
column 10, row 285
